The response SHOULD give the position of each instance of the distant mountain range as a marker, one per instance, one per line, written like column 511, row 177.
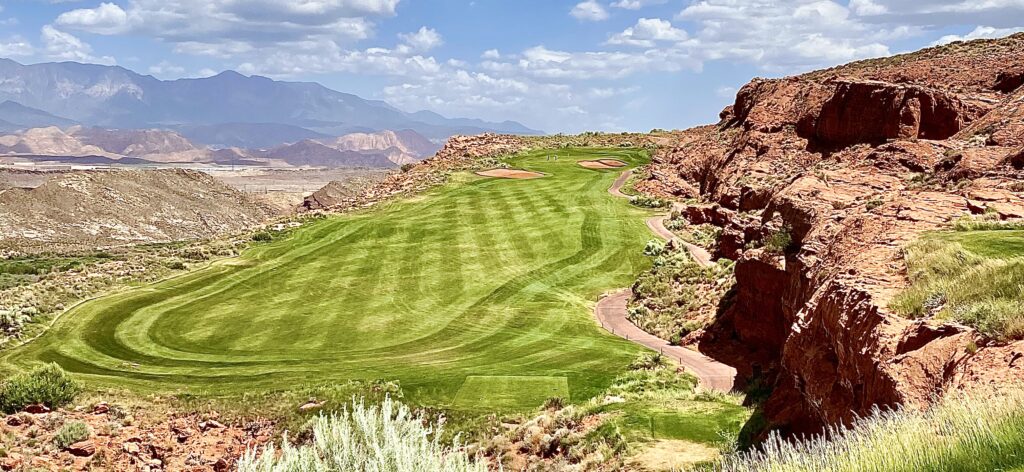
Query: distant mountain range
column 228, row 109
column 90, row 146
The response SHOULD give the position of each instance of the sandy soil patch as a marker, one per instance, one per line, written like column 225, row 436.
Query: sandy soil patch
column 510, row 174
column 671, row 454
column 603, row 164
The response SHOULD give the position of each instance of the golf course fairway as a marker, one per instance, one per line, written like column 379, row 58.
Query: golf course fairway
column 474, row 295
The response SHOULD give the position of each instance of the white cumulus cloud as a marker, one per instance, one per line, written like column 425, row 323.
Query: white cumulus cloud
column 647, row 32
column 590, row 10
column 423, row 40
column 108, row 18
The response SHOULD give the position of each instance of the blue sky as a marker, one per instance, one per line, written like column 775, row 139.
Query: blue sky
column 554, row 65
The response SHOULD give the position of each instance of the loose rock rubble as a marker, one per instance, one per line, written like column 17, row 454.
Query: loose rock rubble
column 120, row 441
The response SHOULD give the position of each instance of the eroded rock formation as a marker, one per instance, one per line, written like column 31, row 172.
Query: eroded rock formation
column 853, row 163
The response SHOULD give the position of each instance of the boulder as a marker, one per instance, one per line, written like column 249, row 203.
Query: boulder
column 82, row 448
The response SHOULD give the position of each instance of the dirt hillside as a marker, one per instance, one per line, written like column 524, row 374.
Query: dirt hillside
column 108, row 208
column 853, row 162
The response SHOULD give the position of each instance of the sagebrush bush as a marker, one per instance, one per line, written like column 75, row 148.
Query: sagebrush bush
column 47, row 384
column 654, row 248
column 963, row 432
column 262, row 236
column 385, row 438
column 648, row 202
column 71, row 433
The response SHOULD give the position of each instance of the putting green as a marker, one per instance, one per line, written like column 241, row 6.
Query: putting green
column 486, row 279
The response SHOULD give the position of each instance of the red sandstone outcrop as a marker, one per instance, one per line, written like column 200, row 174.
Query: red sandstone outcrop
column 854, row 163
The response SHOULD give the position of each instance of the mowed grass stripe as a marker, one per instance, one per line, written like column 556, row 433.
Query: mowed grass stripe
column 482, row 277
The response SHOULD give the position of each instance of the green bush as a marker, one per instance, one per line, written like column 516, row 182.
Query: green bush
column 648, row 202
column 654, row 248
column 47, row 384
column 176, row 265
column 554, row 403
column 71, row 433
column 262, row 236
column 779, row 241
column 648, row 361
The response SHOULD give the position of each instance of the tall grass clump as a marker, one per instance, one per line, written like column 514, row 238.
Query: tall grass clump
column 962, row 433
column 987, row 222
column 388, row 438
column 47, row 384
column 951, row 282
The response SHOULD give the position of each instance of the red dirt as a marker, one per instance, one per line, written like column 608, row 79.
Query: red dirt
column 510, row 174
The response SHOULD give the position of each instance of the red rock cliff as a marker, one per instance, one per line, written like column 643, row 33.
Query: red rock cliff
column 837, row 157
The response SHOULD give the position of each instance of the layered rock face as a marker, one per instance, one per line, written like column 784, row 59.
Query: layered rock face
column 853, row 163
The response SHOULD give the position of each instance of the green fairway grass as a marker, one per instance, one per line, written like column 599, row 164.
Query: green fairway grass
column 476, row 294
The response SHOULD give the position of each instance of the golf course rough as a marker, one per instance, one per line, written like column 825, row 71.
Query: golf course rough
column 476, row 295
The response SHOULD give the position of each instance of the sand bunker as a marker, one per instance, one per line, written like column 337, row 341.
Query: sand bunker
column 603, row 164
column 510, row 174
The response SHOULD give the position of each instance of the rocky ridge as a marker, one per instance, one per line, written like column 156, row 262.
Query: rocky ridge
column 90, row 209
column 853, row 163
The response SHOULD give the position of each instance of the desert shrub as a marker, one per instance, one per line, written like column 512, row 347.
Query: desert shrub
column 262, row 236
column 47, row 384
column 176, row 265
column 645, row 201
column 779, row 241
column 407, row 167
column 554, row 403
column 12, row 320
column 654, row 248
column 70, row 433
column 388, row 438
column 648, row 361
column 970, row 433
column 677, row 295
